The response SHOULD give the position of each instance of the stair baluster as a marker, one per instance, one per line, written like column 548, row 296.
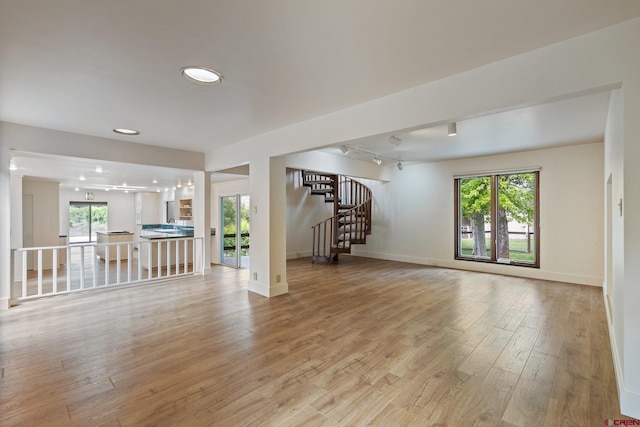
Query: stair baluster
column 351, row 220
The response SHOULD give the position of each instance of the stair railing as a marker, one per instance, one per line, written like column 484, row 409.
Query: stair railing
column 350, row 224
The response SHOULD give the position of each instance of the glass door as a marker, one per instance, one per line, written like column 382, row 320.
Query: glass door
column 85, row 219
column 235, row 225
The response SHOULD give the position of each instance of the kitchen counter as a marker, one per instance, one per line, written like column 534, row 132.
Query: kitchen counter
column 161, row 242
column 113, row 236
column 164, row 234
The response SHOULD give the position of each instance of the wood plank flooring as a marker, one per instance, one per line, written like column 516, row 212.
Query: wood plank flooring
column 364, row 342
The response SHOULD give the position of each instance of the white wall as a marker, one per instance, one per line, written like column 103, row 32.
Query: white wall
column 614, row 225
column 45, row 213
column 414, row 213
column 121, row 208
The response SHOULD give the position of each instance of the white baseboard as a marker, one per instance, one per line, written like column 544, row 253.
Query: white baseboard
column 266, row 290
column 296, row 255
column 5, row 304
column 504, row 269
column 629, row 401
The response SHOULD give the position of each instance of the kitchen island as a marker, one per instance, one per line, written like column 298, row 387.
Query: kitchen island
column 114, row 236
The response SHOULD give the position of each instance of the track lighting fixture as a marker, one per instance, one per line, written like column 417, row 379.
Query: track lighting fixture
column 452, row 129
column 377, row 157
column 394, row 140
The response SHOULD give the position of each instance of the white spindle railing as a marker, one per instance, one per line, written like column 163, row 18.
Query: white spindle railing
column 84, row 269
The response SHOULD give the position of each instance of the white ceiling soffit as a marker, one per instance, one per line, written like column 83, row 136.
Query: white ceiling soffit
column 68, row 170
column 572, row 121
column 90, row 66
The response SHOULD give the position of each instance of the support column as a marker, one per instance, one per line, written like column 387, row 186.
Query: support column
column 267, row 185
column 5, row 228
column 202, row 220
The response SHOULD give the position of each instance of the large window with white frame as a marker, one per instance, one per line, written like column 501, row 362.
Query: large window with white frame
column 497, row 218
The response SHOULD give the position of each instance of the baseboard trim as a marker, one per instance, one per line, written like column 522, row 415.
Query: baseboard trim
column 296, row 255
column 266, row 290
column 503, row 269
column 629, row 401
column 5, row 303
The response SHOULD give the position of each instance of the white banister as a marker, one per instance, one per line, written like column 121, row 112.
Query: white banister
column 118, row 259
column 54, row 285
column 82, row 267
column 82, row 261
column 95, row 267
column 129, row 258
column 24, row 273
column 39, row 271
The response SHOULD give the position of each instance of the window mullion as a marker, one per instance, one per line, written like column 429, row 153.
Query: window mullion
column 494, row 217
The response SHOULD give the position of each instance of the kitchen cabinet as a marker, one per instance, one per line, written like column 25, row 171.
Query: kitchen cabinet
column 185, row 207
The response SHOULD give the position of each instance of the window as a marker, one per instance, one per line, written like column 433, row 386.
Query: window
column 497, row 218
column 85, row 219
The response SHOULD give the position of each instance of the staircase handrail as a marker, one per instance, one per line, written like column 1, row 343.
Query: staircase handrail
column 351, row 225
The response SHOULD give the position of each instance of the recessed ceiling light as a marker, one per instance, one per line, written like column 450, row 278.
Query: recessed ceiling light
column 82, row 178
column 201, row 75
column 77, row 189
column 106, row 189
column 98, row 169
column 125, row 131
column 155, row 181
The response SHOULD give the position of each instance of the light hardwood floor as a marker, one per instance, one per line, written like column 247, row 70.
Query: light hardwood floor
column 364, row 342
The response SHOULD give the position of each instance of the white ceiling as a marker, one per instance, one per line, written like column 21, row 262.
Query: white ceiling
column 571, row 121
column 87, row 66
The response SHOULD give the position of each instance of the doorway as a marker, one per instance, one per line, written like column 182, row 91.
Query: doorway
column 86, row 219
column 235, row 211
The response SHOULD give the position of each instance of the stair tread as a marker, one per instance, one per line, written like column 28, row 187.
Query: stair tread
column 317, row 181
column 352, row 219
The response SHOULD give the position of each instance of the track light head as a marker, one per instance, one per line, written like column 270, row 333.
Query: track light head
column 377, row 161
column 400, row 166
column 452, row 129
column 345, row 150
column 394, row 140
